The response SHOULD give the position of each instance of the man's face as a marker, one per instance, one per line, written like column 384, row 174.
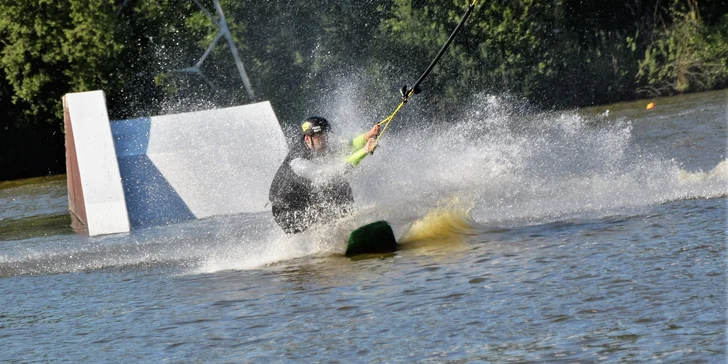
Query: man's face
column 318, row 142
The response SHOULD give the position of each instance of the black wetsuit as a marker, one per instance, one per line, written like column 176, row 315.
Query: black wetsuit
column 297, row 202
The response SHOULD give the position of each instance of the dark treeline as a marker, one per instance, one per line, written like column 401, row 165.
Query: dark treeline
column 555, row 54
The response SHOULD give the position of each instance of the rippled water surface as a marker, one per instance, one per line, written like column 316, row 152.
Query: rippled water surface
column 591, row 236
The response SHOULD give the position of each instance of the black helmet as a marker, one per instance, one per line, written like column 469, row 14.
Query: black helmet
column 314, row 125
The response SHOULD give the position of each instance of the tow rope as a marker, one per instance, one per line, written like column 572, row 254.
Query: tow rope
column 407, row 92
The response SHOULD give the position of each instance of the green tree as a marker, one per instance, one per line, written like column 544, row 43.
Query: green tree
column 685, row 55
column 50, row 48
column 47, row 49
column 559, row 53
column 504, row 46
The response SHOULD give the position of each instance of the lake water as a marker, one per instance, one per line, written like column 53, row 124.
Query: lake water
column 595, row 235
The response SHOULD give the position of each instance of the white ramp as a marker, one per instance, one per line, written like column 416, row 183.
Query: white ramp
column 174, row 167
column 199, row 164
column 95, row 194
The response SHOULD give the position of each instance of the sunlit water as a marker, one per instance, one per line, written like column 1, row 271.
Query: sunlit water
column 590, row 236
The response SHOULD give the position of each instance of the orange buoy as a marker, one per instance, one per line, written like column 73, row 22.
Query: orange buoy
column 649, row 106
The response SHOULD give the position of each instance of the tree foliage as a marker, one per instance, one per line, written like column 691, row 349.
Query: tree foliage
column 686, row 54
column 558, row 53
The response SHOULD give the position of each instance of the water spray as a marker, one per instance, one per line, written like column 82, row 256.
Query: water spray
column 408, row 92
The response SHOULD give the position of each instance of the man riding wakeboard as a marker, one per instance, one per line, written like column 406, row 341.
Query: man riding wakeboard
column 309, row 186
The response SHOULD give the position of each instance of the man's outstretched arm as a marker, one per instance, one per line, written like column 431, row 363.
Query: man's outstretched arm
column 362, row 145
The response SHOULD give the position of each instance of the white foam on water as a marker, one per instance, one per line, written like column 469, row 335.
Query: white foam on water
column 514, row 168
column 530, row 168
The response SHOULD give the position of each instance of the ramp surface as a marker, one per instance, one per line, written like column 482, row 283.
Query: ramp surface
column 199, row 164
column 170, row 168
